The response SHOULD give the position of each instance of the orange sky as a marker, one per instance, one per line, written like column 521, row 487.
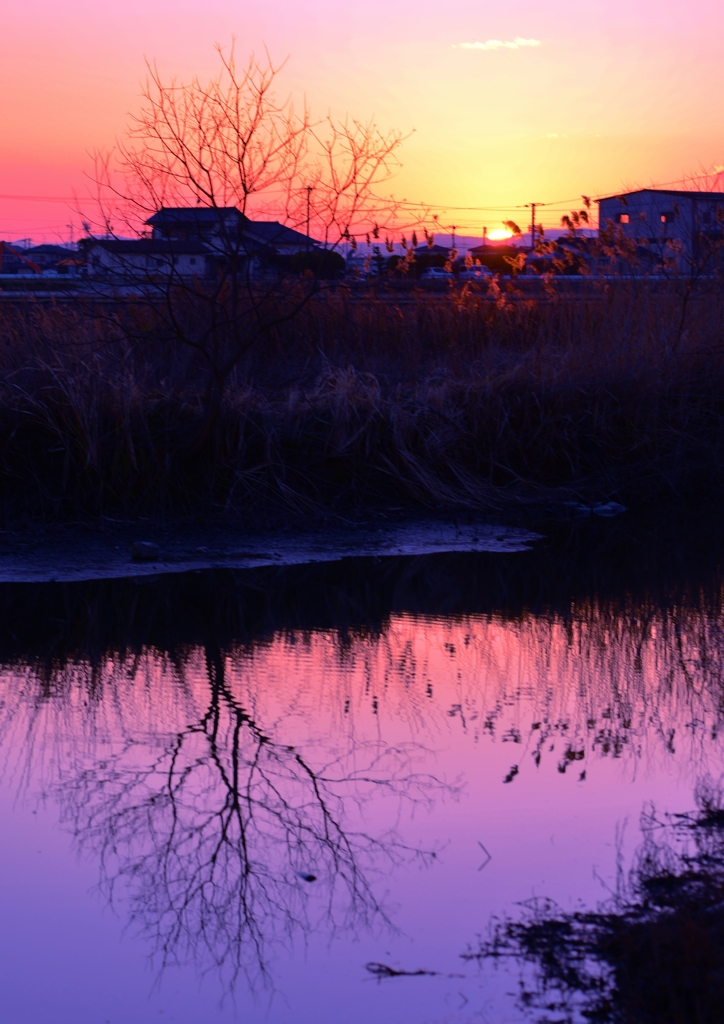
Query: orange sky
column 555, row 100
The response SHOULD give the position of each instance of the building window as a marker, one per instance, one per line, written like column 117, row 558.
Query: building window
column 622, row 218
column 192, row 261
column 667, row 217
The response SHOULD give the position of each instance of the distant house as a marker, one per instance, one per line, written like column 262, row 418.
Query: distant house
column 224, row 228
column 58, row 259
column 192, row 241
column 658, row 217
column 47, row 255
column 478, row 251
column 496, row 257
column 147, row 257
column 433, row 250
column 14, row 260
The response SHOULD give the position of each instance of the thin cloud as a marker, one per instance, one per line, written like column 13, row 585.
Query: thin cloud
column 499, row 44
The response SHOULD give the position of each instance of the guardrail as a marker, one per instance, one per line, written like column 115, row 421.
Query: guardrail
column 17, row 288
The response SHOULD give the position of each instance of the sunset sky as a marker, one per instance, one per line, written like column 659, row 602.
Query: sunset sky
column 509, row 103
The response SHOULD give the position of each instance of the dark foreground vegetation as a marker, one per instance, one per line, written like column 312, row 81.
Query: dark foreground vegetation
column 352, row 405
column 656, row 955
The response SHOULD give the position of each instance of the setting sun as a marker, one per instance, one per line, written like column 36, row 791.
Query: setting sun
column 499, row 234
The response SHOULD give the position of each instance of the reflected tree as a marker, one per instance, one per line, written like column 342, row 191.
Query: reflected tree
column 227, row 841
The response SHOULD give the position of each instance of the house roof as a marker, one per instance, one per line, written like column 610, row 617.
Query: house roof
column 191, row 215
column 271, row 232
column 680, row 193
column 496, row 249
column 268, row 232
column 433, row 250
column 48, row 249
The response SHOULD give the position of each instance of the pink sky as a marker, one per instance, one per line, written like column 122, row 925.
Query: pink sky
column 614, row 93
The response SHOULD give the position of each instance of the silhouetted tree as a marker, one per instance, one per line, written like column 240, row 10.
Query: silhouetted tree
column 230, row 144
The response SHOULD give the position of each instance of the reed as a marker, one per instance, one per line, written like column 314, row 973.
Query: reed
column 365, row 403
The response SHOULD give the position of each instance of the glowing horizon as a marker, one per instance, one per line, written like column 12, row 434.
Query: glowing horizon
column 505, row 107
column 499, row 234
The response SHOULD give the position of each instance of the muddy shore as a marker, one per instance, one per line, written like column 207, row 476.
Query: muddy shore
column 110, row 549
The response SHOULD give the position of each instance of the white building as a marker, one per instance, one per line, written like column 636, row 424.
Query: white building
column 149, row 258
column 668, row 221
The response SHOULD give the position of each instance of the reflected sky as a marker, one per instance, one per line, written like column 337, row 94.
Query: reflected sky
column 226, row 830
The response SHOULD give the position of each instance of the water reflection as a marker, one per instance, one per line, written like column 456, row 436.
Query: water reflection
column 652, row 953
column 218, row 837
column 247, row 773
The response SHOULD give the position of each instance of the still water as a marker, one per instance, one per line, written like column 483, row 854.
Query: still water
column 233, row 796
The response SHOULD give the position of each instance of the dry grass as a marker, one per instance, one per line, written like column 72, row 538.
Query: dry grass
column 357, row 404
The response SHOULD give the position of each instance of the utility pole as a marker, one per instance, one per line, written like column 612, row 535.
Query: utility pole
column 309, row 201
column 453, row 227
column 533, row 207
column 532, row 226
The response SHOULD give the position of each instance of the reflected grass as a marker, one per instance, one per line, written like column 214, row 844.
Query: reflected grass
column 653, row 955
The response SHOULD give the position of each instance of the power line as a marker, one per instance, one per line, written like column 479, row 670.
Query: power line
column 42, row 199
column 427, row 206
column 555, row 202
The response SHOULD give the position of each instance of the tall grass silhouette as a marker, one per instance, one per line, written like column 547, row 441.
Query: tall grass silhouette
column 431, row 401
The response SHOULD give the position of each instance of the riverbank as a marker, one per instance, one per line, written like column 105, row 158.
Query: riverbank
column 116, row 549
column 298, row 577
column 365, row 407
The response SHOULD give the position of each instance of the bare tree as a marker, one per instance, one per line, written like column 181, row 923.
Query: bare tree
column 232, row 151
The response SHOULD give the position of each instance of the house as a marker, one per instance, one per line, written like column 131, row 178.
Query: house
column 55, row 258
column 14, row 260
column 226, row 229
column 433, row 250
column 496, row 257
column 192, row 241
column 687, row 225
column 149, row 258
column 194, row 223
